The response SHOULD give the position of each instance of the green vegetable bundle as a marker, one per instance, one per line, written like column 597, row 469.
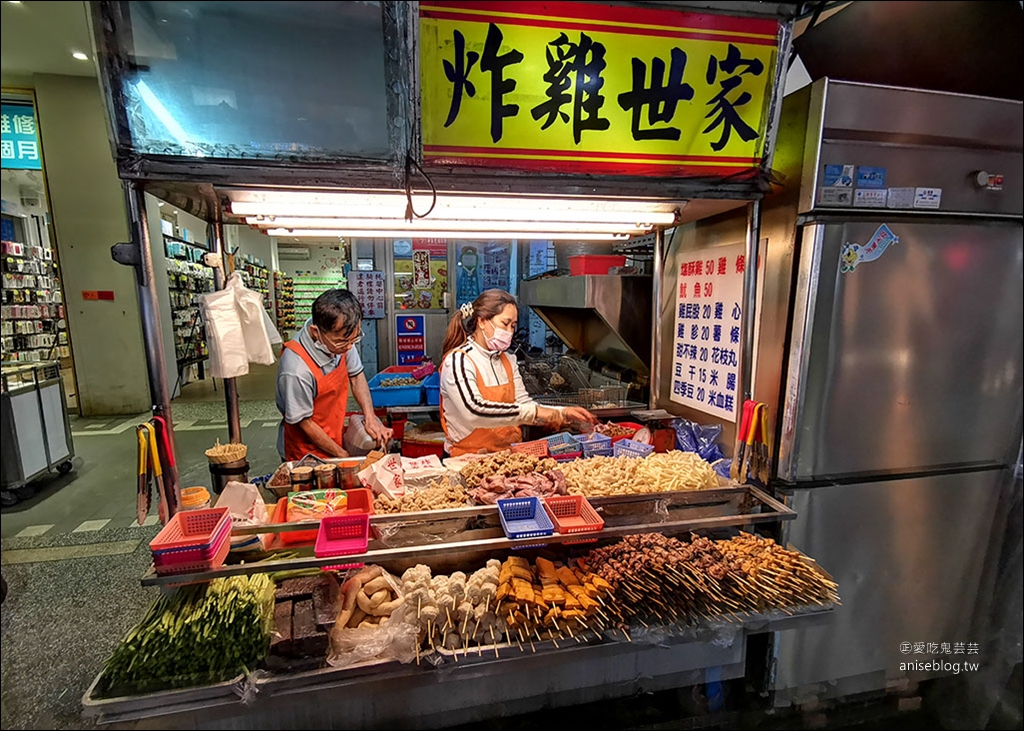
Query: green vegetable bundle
column 200, row 634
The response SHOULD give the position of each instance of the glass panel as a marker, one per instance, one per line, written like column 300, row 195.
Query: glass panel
column 267, row 80
column 483, row 265
column 421, row 273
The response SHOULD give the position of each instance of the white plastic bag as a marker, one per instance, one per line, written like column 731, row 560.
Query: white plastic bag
column 245, row 503
column 228, row 358
column 256, row 329
column 356, row 441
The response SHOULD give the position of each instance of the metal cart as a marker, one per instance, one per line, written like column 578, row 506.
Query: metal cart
column 36, row 433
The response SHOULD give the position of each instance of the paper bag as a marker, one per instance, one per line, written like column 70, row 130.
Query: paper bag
column 420, row 472
column 385, row 477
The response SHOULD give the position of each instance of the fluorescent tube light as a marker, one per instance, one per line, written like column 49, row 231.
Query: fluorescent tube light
column 434, row 224
column 443, row 234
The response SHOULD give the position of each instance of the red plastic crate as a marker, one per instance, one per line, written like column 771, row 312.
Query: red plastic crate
column 573, row 514
column 189, row 567
column 538, row 447
column 202, row 552
column 594, row 264
column 191, row 529
column 360, row 501
column 342, row 535
column 412, row 448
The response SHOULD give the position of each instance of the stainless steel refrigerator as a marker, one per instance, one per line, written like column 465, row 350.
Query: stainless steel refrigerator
column 891, row 348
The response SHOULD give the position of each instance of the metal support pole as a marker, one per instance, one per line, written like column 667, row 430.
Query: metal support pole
column 659, row 266
column 220, row 275
column 748, row 322
column 141, row 249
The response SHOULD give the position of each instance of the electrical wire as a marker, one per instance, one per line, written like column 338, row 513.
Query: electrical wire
column 410, row 211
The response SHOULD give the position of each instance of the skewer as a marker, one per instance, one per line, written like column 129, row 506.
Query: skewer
column 419, row 605
column 417, row 650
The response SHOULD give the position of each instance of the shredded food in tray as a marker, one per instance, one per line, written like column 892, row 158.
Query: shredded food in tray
column 622, row 475
column 505, row 464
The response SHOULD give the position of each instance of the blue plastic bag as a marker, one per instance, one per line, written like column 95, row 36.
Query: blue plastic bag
column 692, row 437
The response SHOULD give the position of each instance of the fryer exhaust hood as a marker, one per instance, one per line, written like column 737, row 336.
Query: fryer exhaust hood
column 608, row 317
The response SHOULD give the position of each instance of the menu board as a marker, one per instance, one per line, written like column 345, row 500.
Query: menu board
column 369, row 289
column 708, row 337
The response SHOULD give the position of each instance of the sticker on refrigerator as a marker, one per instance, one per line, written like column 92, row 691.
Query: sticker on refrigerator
column 853, row 254
column 871, row 177
column 869, row 198
column 900, row 198
column 835, row 196
column 927, row 197
column 838, row 176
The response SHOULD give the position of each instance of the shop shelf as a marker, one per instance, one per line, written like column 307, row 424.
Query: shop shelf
column 524, row 517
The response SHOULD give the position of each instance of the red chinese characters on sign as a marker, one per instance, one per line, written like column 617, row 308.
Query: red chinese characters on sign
column 421, row 269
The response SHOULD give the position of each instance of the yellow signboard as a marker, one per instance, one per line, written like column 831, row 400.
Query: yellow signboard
column 580, row 87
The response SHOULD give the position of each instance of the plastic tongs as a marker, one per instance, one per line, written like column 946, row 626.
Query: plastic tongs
column 167, row 459
column 738, row 470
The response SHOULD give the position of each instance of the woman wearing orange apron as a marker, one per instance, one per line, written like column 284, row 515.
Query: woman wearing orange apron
column 317, row 370
column 483, row 400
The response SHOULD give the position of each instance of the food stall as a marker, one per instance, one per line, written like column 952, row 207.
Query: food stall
column 616, row 562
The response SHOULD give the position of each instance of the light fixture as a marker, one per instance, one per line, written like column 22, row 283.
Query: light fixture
column 79, row 56
column 582, row 235
column 482, row 228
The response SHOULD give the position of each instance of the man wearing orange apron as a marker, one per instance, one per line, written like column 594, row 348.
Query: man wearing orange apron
column 317, row 370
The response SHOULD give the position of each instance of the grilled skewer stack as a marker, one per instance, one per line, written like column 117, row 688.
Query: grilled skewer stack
column 655, row 578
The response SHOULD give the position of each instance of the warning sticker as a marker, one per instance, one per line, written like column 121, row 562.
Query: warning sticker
column 869, row 198
column 835, row 196
column 927, row 197
column 838, row 176
column 900, row 198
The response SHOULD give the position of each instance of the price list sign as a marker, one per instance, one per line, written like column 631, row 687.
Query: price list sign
column 368, row 288
column 708, row 341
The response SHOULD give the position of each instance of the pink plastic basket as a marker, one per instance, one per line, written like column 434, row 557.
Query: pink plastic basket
column 191, row 529
column 194, row 553
column 342, row 535
column 573, row 514
column 188, row 567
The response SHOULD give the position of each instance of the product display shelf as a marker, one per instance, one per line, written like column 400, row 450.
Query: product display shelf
column 284, row 297
column 32, row 326
column 310, row 286
column 187, row 278
column 256, row 277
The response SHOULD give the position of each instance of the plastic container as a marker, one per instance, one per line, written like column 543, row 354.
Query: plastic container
column 432, row 389
column 629, row 448
column 630, row 425
column 524, row 517
column 573, row 514
column 191, row 528
column 360, row 502
column 193, row 555
column 394, row 395
column 415, row 448
column 195, row 498
column 538, row 448
column 562, row 443
column 343, row 535
column 594, row 264
column 596, row 445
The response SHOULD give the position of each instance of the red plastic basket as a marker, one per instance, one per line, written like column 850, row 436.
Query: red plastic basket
column 191, row 529
column 594, row 264
column 538, row 448
column 342, row 535
column 567, row 456
column 360, row 501
column 573, row 514
column 413, row 448
column 202, row 552
column 630, row 425
column 188, row 567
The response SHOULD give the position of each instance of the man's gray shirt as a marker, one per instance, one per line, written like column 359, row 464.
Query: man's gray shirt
column 296, row 384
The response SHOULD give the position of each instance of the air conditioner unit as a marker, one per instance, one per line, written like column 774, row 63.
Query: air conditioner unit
column 293, row 252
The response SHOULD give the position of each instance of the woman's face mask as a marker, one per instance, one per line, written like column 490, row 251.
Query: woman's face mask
column 500, row 339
